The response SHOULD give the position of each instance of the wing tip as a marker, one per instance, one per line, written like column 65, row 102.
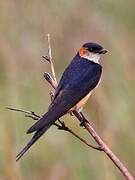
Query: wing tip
column 34, row 127
column 38, row 125
column 30, row 130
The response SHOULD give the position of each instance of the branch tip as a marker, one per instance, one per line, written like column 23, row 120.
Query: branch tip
column 46, row 58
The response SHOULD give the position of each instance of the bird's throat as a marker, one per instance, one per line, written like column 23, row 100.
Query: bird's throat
column 93, row 57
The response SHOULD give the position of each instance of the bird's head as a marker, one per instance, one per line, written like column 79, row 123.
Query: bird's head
column 92, row 51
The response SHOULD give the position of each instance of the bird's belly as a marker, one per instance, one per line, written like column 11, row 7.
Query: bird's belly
column 81, row 103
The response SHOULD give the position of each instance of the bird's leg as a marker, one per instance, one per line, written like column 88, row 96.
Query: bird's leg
column 81, row 117
column 71, row 113
column 79, row 112
column 51, row 95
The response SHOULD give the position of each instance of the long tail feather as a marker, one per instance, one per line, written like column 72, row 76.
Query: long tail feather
column 36, row 136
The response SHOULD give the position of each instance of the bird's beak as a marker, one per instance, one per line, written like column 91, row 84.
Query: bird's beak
column 103, row 51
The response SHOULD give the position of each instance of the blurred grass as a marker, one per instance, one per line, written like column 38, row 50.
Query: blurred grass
column 23, row 29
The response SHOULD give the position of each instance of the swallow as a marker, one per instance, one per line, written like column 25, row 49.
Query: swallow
column 77, row 83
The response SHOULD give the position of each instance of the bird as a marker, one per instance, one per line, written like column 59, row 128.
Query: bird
column 77, row 83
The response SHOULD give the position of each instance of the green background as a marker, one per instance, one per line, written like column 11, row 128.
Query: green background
column 57, row 155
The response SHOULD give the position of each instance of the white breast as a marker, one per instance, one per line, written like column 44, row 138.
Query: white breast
column 92, row 57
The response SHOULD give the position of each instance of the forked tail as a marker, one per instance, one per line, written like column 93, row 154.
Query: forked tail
column 36, row 136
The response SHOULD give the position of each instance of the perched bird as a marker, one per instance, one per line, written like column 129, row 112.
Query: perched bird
column 78, row 81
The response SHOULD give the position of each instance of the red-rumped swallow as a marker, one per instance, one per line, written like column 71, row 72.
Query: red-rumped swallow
column 78, row 81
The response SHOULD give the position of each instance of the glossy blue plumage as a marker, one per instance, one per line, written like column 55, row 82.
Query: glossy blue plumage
column 78, row 79
column 79, row 69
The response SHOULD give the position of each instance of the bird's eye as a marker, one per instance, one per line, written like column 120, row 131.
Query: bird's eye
column 91, row 50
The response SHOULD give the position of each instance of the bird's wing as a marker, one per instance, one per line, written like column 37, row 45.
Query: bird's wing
column 69, row 96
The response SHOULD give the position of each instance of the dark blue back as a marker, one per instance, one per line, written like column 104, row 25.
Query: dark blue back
column 79, row 68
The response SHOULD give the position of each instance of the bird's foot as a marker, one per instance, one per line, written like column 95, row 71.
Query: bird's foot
column 71, row 113
column 83, row 122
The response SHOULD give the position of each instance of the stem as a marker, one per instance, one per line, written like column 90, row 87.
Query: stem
column 49, row 79
column 105, row 148
column 50, row 58
column 33, row 115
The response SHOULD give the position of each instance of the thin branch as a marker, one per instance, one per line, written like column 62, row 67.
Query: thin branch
column 104, row 147
column 30, row 116
column 62, row 126
column 66, row 128
column 32, row 113
column 50, row 58
column 50, row 80
column 46, row 58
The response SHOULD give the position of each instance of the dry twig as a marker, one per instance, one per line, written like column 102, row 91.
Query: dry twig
column 61, row 126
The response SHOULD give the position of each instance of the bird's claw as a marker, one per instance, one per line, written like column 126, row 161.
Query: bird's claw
column 82, row 123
